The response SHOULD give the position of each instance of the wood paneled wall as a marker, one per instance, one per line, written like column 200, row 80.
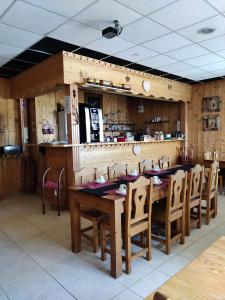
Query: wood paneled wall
column 46, row 109
column 9, row 123
column 103, row 156
column 206, row 140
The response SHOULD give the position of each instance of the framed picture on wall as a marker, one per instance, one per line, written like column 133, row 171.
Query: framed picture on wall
column 211, row 104
column 211, row 123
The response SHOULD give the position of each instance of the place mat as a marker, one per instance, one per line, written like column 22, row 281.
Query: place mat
column 129, row 177
column 155, row 173
column 95, row 185
column 101, row 191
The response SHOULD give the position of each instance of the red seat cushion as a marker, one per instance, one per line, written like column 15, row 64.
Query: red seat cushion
column 52, row 185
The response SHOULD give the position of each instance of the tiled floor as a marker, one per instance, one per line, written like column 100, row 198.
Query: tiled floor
column 36, row 261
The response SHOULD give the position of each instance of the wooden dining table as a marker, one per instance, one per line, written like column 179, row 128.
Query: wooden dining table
column 113, row 206
column 203, row 278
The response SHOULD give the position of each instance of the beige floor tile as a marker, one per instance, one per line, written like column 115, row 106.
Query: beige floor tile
column 97, row 286
column 36, row 242
column 140, row 268
column 50, row 255
column 36, row 285
column 3, row 295
column 174, row 265
column 149, row 283
column 127, row 295
column 4, row 240
column 15, row 263
column 59, row 234
column 69, row 270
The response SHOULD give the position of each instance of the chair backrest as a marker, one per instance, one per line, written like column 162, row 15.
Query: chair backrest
column 138, row 201
column 146, row 165
column 160, row 296
column 164, row 162
column 176, row 196
column 212, row 183
column 56, row 175
column 117, row 170
column 208, row 155
column 85, row 175
column 195, row 182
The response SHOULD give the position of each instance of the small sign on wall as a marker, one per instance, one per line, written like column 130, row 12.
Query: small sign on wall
column 68, row 105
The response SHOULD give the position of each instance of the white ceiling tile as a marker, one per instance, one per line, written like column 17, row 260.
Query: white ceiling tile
column 175, row 67
column 190, row 72
column 8, row 52
column 143, row 30
column 67, row 8
column 204, row 60
column 17, row 37
column 4, row 4
column 157, row 61
column 31, row 18
column 220, row 72
column 136, row 53
column 167, row 43
column 109, row 46
column 217, row 22
column 187, row 52
column 215, row 44
column 104, row 12
column 219, row 4
column 214, row 67
column 202, row 76
column 221, row 53
column 145, row 6
column 183, row 13
column 75, row 33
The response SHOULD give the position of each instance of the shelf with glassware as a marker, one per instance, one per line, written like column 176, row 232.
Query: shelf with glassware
column 118, row 131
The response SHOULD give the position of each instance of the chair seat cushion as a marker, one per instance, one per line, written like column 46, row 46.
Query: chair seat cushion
column 51, row 185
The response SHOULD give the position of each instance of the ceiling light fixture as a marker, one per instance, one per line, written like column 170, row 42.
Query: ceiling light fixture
column 206, row 30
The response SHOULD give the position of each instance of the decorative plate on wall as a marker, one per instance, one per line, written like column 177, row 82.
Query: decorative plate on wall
column 146, row 85
column 136, row 149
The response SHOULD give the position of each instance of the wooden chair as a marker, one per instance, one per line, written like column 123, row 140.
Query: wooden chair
column 146, row 165
column 164, row 162
column 52, row 187
column 117, row 170
column 160, row 296
column 174, row 210
column 84, row 176
column 137, row 220
column 210, row 194
column 194, row 197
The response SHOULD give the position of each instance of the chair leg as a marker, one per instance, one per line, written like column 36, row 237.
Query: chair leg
column 168, row 237
column 43, row 202
column 188, row 226
column 199, row 213
column 95, row 236
column 103, row 242
column 208, row 208
column 128, row 254
column 182, row 229
column 148, row 243
column 221, row 184
column 58, row 196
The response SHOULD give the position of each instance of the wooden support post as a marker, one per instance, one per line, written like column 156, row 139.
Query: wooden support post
column 73, row 161
column 184, row 121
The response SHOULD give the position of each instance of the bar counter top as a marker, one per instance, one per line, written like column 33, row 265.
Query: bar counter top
column 55, row 145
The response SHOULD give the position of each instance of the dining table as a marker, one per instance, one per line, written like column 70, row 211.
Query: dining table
column 104, row 198
column 203, row 278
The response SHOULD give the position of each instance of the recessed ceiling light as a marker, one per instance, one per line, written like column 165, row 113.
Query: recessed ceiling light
column 135, row 54
column 206, row 30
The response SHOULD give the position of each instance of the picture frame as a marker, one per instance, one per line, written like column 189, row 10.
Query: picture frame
column 211, row 104
column 211, row 123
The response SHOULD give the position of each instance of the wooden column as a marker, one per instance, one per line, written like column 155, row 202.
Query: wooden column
column 73, row 160
column 184, row 121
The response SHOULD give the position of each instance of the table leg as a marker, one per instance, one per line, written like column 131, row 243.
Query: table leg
column 116, row 246
column 75, row 226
